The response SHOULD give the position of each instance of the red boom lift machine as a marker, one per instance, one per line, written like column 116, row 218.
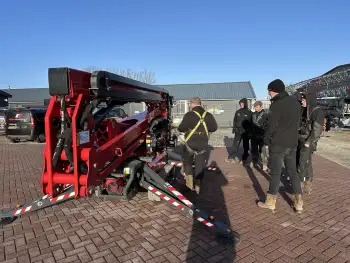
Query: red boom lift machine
column 88, row 153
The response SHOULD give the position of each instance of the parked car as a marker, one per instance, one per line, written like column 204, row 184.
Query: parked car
column 2, row 121
column 25, row 124
column 116, row 113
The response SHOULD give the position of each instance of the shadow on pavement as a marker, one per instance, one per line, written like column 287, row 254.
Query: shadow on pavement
column 257, row 187
column 228, row 142
column 261, row 193
column 204, row 244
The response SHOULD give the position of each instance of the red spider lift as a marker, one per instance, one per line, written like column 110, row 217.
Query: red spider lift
column 88, row 153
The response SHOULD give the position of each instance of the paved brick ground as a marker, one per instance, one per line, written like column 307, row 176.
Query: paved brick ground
column 93, row 230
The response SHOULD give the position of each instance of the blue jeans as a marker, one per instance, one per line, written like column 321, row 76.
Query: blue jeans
column 278, row 156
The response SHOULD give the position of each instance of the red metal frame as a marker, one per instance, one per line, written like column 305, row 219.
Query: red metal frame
column 108, row 146
column 120, row 145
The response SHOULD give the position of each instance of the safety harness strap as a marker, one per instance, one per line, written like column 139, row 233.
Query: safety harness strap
column 201, row 121
column 309, row 114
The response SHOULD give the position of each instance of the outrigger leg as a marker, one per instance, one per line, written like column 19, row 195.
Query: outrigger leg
column 154, row 183
column 45, row 201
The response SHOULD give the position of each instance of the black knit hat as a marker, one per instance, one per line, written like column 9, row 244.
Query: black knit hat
column 276, row 86
column 258, row 103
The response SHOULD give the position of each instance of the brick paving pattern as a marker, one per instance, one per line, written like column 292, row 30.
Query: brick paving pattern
column 96, row 230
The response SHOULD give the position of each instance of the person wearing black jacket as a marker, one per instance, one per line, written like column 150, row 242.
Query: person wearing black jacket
column 196, row 124
column 309, row 133
column 259, row 122
column 242, row 123
column 281, row 136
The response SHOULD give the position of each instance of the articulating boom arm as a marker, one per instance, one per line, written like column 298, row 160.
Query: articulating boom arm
column 85, row 151
column 101, row 84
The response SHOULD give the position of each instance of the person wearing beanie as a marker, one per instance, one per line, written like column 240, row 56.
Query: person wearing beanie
column 242, row 124
column 281, row 137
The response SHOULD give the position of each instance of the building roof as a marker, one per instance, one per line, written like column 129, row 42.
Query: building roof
column 206, row 91
column 211, row 91
column 28, row 94
column 5, row 94
column 337, row 69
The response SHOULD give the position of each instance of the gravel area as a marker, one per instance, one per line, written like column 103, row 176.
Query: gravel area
column 335, row 146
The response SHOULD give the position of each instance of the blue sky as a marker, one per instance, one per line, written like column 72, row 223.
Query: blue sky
column 181, row 41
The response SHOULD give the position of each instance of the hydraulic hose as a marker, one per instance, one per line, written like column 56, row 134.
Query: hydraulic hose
column 60, row 144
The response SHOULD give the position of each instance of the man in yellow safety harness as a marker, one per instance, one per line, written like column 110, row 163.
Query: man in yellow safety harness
column 197, row 124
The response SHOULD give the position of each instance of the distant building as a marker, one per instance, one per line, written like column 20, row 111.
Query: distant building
column 333, row 83
column 29, row 97
column 4, row 97
column 221, row 99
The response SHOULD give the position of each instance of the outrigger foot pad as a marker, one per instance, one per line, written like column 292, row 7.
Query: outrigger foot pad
column 7, row 220
column 229, row 238
column 224, row 234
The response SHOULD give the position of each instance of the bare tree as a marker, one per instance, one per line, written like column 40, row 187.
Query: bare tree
column 145, row 75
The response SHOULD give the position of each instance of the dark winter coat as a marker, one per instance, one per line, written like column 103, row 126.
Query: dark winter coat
column 242, row 121
column 312, row 121
column 259, row 121
column 199, row 140
column 283, row 121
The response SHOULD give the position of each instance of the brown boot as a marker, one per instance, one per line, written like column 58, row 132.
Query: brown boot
column 270, row 202
column 307, row 187
column 197, row 185
column 298, row 203
column 189, row 181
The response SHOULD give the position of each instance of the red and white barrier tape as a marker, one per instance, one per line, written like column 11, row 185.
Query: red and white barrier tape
column 205, row 222
column 62, row 197
column 52, row 200
column 173, row 202
column 179, row 195
column 165, row 197
column 22, row 210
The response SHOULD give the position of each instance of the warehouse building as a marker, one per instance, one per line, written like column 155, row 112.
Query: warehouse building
column 4, row 98
column 221, row 99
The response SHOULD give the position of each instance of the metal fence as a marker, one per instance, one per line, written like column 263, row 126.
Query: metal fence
column 223, row 110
